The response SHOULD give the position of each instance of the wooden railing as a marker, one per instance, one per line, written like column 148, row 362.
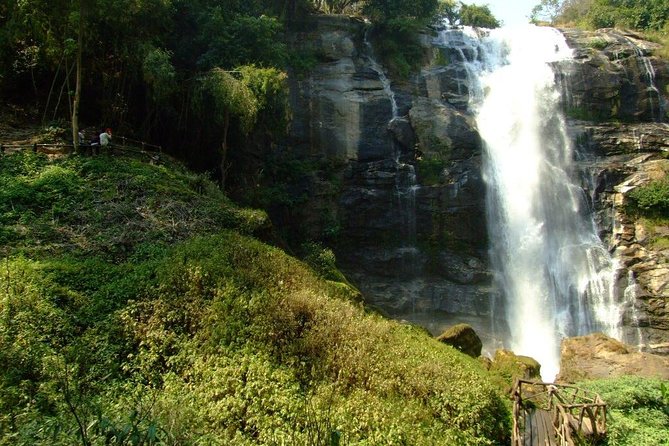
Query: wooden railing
column 555, row 414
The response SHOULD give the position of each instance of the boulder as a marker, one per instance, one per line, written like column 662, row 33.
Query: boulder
column 507, row 363
column 506, row 367
column 598, row 356
column 464, row 338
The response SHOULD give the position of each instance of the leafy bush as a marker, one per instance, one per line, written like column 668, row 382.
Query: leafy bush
column 479, row 16
column 650, row 200
column 323, row 261
column 598, row 44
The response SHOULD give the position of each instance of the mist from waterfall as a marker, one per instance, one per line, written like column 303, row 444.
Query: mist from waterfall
column 557, row 278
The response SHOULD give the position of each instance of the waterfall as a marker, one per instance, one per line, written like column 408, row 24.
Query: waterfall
column 557, row 278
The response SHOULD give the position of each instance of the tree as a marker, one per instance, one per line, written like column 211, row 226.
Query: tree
column 479, row 16
column 447, row 9
column 546, row 11
column 83, row 5
column 336, row 6
column 221, row 95
column 637, row 14
column 385, row 11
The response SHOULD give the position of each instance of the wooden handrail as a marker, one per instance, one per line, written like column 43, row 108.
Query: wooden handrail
column 574, row 413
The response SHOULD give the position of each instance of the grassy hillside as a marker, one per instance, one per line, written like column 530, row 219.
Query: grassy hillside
column 136, row 307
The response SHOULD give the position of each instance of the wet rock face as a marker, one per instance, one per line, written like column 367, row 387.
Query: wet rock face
column 617, row 159
column 411, row 202
column 338, row 106
column 613, row 75
column 615, row 99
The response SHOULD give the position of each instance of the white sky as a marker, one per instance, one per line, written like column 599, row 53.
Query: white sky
column 511, row 12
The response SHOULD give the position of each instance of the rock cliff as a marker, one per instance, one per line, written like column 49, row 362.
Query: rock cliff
column 616, row 100
column 406, row 196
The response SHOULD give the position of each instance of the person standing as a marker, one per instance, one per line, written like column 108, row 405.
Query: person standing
column 105, row 140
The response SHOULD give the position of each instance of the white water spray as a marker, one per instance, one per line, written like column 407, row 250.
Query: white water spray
column 557, row 278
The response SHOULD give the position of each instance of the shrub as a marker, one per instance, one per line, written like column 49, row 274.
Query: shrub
column 651, row 200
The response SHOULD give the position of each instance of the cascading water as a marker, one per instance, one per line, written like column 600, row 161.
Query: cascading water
column 406, row 185
column 646, row 68
column 378, row 69
column 557, row 278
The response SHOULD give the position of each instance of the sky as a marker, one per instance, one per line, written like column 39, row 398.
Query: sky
column 511, row 12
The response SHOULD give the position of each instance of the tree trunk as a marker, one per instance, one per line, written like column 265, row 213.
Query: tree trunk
column 224, row 148
column 77, row 91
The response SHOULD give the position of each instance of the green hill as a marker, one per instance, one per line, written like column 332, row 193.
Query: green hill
column 137, row 306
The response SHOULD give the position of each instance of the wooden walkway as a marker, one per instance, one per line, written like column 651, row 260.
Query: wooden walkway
column 546, row 414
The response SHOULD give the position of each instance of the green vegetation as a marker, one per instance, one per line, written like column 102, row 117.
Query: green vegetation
column 648, row 16
column 588, row 114
column 643, row 15
column 480, row 16
column 651, row 200
column 638, row 410
column 137, row 308
column 598, row 44
column 430, row 171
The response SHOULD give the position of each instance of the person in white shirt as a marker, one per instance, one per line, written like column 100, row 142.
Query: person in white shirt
column 105, row 139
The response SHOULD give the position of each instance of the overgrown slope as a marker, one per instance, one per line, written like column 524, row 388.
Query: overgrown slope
column 137, row 308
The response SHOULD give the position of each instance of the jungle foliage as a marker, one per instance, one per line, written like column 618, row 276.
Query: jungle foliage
column 137, row 307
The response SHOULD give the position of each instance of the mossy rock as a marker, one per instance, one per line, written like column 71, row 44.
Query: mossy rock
column 464, row 338
column 506, row 367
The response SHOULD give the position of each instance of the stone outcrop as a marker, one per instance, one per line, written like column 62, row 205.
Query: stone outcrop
column 613, row 75
column 464, row 338
column 338, row 106
column 598, row 356
column 409, row 211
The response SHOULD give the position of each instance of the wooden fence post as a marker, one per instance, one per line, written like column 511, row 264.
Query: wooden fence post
column 34, row 147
